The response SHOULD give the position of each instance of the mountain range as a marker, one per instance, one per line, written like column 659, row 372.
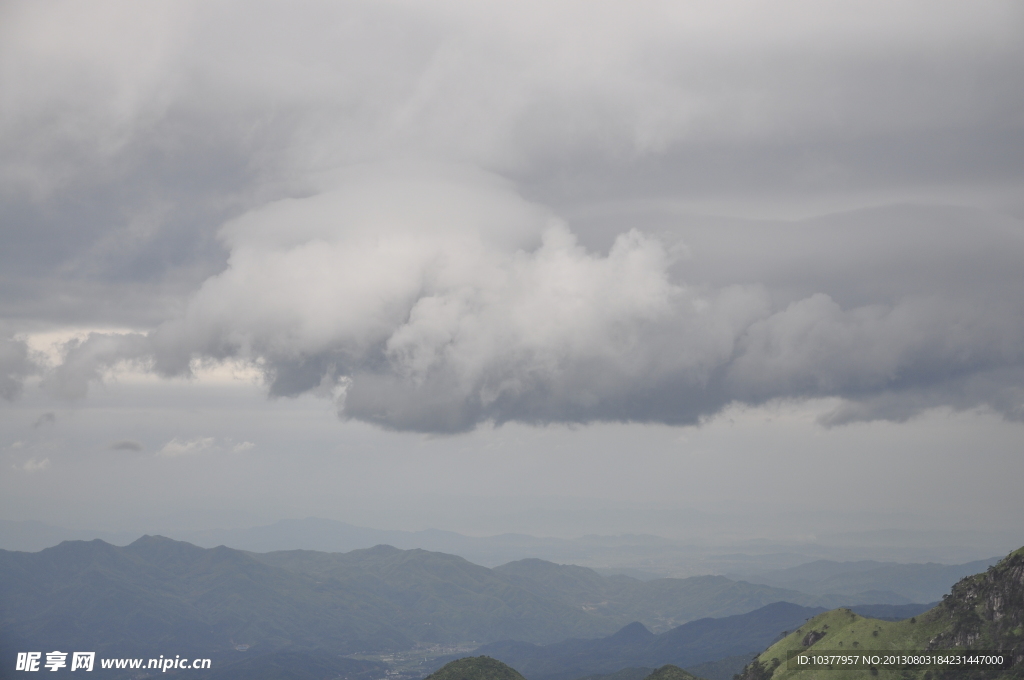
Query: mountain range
column 157, row 592
column 639, row 555
column 158, row 595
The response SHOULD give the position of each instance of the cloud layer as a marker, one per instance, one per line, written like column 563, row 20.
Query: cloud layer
column 15, row 366
column 451, row 213
column 435, row 298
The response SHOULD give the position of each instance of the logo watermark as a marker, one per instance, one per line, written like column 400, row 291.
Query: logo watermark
column 86, row 661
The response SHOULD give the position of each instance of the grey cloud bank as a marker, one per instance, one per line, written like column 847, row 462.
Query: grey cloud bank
column 439, row 215
column 429, row 314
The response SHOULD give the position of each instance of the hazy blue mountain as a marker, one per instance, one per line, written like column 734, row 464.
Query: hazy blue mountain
column 634, row 645
column 638, row 555
column 638, row 574
column 444, row 598
column 915, row 582
column 611, row 601
column 158, row 594
column 661, row 604
column 156, row 591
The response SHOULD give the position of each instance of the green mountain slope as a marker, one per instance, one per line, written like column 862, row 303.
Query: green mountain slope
column 982, row 612
column 475, row 668
column 670, row 672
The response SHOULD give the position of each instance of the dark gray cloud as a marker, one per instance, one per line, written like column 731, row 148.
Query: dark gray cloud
column 15, row 366
column 48, row 418
column 122, row 244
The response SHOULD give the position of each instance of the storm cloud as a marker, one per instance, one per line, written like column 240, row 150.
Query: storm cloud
column 435, row 298
column 439, row 215
column 15, row 366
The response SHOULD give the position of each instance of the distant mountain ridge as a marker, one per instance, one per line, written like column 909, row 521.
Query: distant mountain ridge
column 659, row 604
column 136, row 598
column 664, row 603
column 690, row 644
column 916, row 582
column 628, row 553
column 98, row 596
column 556, row 622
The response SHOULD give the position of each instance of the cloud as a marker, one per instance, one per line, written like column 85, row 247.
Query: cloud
column 48, row 418
column 447, row 214
column 127, row 445
column 15, row 366
column 189, row 447
column 32, row 465
column 435, row 299
column 84, row 361
column 129, row 134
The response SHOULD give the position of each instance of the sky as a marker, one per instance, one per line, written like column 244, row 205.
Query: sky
column 741, row 268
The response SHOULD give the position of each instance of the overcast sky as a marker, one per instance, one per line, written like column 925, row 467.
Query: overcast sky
column 550, row 267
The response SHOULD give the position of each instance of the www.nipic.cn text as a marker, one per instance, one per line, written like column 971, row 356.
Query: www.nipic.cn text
column 85, row 661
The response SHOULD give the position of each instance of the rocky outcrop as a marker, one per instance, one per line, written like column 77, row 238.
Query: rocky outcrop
column 812, row 637
column 986, row 610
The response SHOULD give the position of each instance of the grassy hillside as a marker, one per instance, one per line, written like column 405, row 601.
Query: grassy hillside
column 982, row 612
column 475, row 668
column 670, row 672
